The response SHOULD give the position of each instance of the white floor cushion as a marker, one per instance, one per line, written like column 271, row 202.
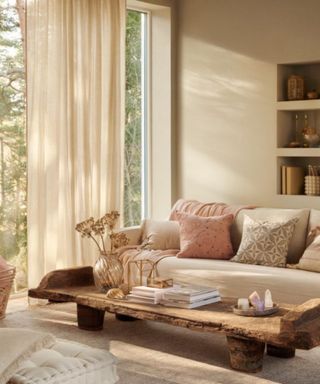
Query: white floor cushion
column 68, row 363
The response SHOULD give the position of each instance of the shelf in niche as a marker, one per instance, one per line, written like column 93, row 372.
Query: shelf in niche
column 298, row 105
column 289, row 125
column 299, row 198
column 298, row 152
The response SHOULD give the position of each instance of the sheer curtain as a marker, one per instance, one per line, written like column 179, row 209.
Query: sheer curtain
column 75, row 77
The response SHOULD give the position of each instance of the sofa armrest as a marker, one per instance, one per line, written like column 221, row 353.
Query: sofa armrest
column 134, row 234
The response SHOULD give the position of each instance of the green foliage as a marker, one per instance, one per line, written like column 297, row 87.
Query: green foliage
column 13, row 179
column 133, row 152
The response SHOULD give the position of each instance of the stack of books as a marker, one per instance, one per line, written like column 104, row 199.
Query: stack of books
column 147, row 295
column 191, row 296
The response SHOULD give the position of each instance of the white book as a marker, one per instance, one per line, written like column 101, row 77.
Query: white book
column 143, row 288
column 142, row 299
column 190, row 299
column 183, row 304
column 191, row 291
column 148, row 291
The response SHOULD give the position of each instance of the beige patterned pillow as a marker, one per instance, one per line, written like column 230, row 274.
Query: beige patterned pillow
column 310, row 260
column 265, row 242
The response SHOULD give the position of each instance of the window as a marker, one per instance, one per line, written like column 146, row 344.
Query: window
column 150, row 174
column 13, row 179
column 136, row 118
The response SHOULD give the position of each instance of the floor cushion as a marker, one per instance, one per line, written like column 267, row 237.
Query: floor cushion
column 68, row 363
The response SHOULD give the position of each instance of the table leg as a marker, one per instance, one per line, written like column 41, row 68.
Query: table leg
column 285, row 353
column 90, row 319
column 125, row 317
column 245, row 354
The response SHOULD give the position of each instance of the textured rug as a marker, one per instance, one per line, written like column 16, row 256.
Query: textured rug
column 154, row 353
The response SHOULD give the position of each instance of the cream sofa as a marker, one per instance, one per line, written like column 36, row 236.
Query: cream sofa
column 239, row 280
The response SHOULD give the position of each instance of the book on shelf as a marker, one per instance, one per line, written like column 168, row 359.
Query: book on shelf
column 292, row 180
column 283, row 180
column 188, row 305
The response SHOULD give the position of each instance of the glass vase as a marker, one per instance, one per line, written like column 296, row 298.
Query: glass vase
column 107, row 272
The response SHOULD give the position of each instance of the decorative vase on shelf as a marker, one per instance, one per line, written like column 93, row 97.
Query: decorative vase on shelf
column 107, row 272
column 309, row 134
column 295, row 87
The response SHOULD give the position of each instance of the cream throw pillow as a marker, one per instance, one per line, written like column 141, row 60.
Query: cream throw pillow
column 160, row 234
column 265, row 242
column 310, row 260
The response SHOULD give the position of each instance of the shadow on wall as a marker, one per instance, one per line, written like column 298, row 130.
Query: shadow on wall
column 227, row 86
column 273, row 31
column 223, row 141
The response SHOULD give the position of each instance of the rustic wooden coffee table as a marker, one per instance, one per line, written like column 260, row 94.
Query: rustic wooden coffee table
column 290, row 328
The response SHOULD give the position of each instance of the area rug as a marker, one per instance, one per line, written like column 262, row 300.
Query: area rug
column 155, row 353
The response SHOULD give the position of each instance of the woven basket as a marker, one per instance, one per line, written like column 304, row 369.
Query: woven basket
column 312, row 185
column 6, row 281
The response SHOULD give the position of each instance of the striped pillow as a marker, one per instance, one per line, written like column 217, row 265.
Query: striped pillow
column 310, row 260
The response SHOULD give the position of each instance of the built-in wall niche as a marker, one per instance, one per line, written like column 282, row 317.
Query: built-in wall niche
column 291, row 125
column 295, row 161
column 309, row 71
column 299, row 161
column 295, row 152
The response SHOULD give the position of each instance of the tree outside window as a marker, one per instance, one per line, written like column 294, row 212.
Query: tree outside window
column 134, row 171
column 13, row 173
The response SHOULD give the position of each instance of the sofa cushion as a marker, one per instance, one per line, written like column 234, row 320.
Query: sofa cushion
column 205, row 237
column 240, row 280
column 160, row 234
column 297, row 243
column 314, row 220
column 265, row 242
column 310, row 260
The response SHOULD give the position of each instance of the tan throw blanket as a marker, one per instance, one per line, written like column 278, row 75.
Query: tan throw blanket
column 16, row 345
column 135, row 253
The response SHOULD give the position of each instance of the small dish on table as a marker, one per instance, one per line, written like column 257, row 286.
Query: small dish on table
column 253, row 312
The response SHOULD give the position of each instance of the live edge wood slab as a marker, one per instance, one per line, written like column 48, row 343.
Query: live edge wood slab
column 290, row 328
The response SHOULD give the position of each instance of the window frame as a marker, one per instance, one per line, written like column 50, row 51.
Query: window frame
column 159, row 138
column 145, row 108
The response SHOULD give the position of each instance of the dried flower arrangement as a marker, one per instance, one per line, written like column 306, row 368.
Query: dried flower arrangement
column 96, row 229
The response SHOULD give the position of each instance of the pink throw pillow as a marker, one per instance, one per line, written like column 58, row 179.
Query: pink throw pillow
column 205, row 237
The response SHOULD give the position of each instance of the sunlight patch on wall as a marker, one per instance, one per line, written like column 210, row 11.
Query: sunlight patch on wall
column 227, row 104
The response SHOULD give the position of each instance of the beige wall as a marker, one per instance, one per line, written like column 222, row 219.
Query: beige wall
column 226, row 90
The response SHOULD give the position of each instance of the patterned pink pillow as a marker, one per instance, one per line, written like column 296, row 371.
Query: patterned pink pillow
column 205, row 237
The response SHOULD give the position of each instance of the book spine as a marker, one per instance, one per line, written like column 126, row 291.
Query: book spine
column 283, row 180
column 190, row 299
column 179, row 304
column 142, row 299
column 142, row 293
column 294, row 180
